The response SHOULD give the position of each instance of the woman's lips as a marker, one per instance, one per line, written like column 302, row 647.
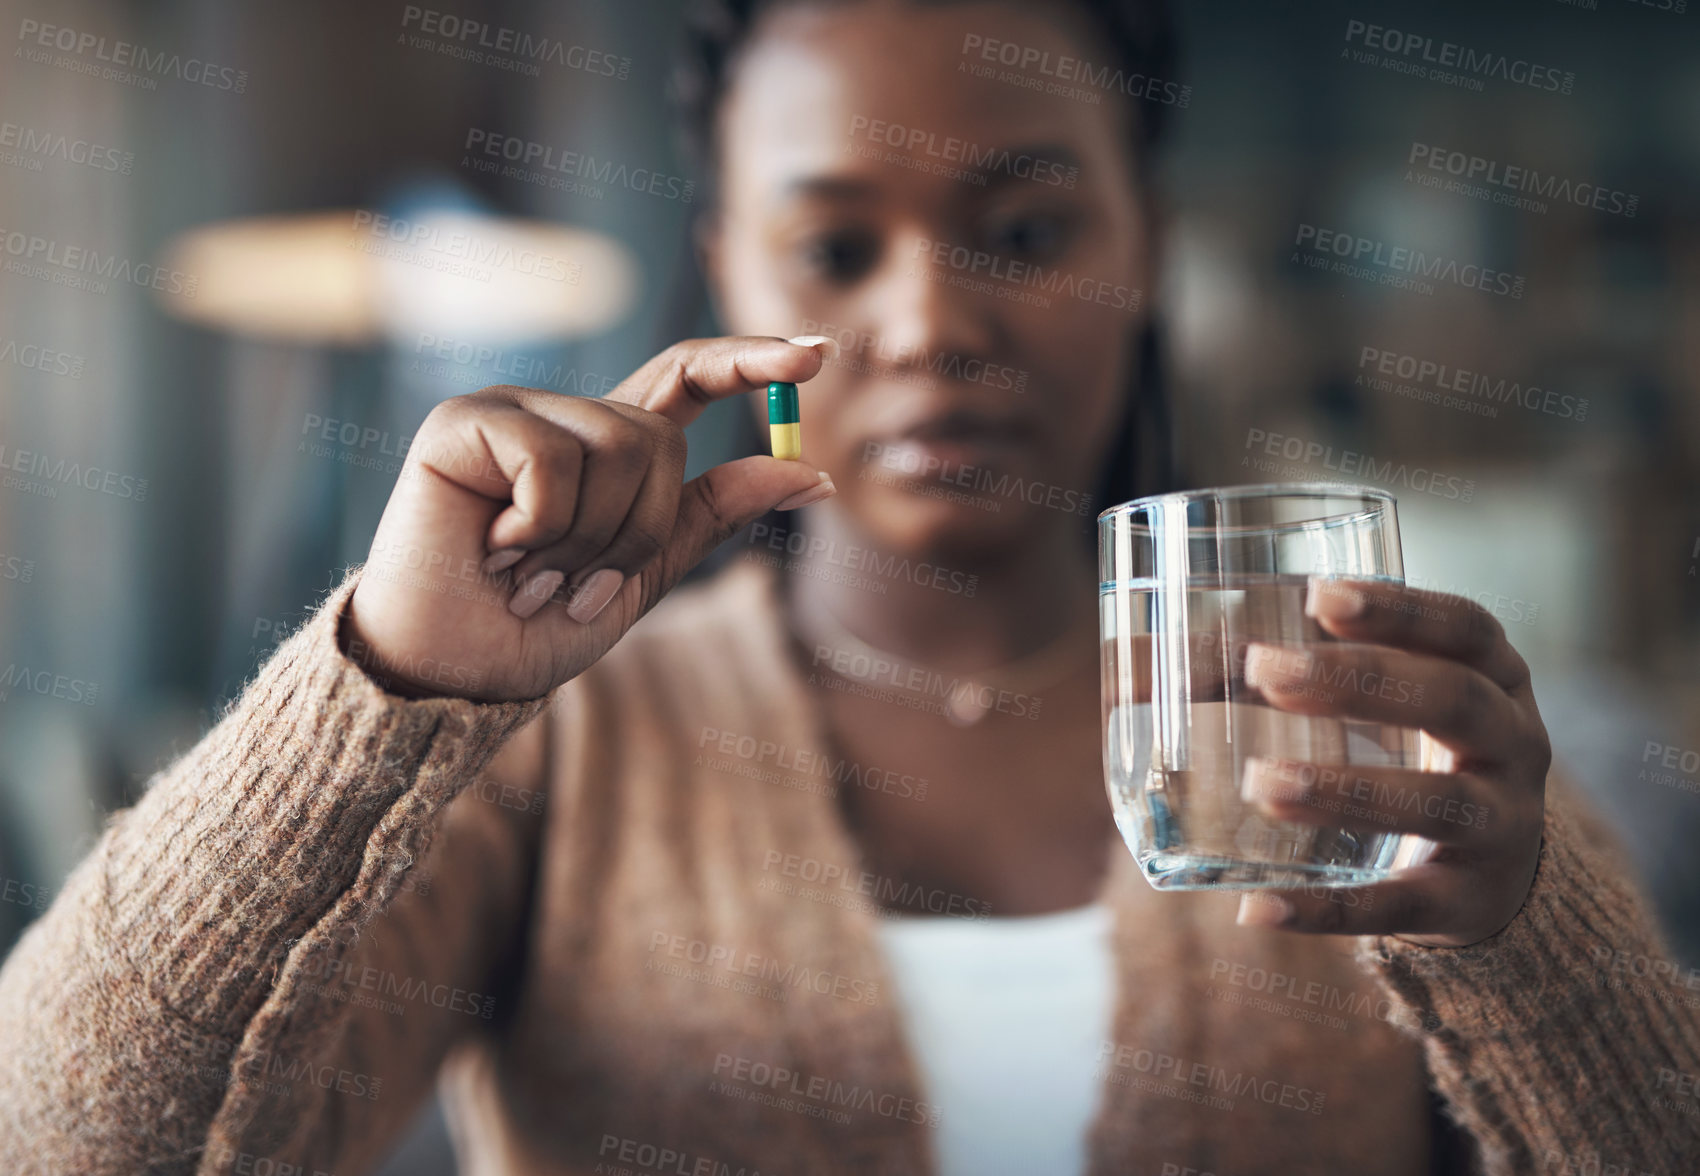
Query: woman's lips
column 946, row 449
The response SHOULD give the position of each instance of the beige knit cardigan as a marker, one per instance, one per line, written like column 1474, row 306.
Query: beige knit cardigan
column 626, row 943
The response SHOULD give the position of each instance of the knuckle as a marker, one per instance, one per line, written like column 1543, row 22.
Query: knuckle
column 641, row 546
column 720, row 526
column 625, row 445
column 677, row 357
column 556, row 460
column 1482, row 630
column 668, row 436
column 1536, row 748
column 451, row 412
column 1466, row 701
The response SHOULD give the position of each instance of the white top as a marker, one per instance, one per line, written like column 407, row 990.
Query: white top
column 1005, row 1018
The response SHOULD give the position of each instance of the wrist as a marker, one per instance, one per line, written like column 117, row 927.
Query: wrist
column 356, row 645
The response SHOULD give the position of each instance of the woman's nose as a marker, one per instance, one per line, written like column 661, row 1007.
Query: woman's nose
column 922, row 308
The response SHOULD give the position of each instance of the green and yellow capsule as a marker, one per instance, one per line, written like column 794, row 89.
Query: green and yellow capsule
column 784, row 426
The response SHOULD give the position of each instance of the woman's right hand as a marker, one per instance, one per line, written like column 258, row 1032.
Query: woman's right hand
column 529, row 530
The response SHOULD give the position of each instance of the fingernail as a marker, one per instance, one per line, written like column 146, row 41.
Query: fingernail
column 825, row 489
column 534, row 593
column 1330, row 600
column 501, row 561
column 827, row 344
column 1265, row 910
column 593, row 595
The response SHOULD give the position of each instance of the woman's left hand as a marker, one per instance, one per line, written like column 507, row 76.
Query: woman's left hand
column 1441, row 664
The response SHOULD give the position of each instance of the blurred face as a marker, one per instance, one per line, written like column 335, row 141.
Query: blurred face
column 976, row 247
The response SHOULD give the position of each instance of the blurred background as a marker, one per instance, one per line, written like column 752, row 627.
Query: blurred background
column 201, row 415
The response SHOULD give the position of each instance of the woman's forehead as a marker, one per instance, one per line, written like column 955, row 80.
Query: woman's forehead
column 823, row 87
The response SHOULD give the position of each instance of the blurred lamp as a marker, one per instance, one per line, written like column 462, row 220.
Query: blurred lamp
column 356, row 277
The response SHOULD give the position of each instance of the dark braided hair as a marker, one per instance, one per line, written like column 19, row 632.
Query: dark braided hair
column 1136, row 36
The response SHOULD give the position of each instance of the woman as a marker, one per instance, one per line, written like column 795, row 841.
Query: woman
column 668, row 898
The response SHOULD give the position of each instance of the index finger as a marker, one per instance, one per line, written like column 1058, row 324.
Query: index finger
column 689, row 376
column 1386, row 612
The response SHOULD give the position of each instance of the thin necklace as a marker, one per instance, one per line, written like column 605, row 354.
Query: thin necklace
column 972, row 695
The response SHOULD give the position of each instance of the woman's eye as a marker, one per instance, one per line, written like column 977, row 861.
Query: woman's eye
column 1041, row 236
column 840, row 257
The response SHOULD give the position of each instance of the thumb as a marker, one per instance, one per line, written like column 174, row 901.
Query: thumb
column 719, row 503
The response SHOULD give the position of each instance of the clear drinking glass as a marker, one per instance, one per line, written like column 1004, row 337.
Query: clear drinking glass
column 1187, row 582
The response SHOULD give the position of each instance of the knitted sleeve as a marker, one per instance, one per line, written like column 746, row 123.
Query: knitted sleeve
column 168, row 982
column 1567, row 1043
